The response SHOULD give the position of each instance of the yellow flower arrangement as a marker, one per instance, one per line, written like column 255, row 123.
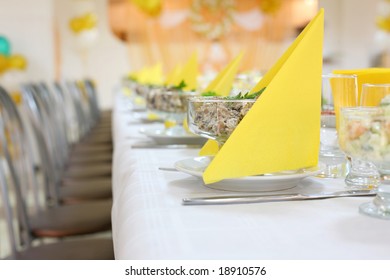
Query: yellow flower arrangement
column 15, row 61
column 3, row 63
column 219, row 20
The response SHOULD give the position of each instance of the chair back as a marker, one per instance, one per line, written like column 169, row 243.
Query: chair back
column 94, row 101
column 6, row 205
column 16, row 174
column 52, row 149
column 80, row 106
column 70, row 112
column 20, row 146
column 86, row 103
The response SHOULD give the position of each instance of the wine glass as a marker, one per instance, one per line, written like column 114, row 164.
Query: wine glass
column 216, row 117
column 364, row 133
column 337, row 91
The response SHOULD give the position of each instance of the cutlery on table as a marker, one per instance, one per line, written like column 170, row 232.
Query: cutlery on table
column 167, row 169
column 239, row 199
column 170, row 146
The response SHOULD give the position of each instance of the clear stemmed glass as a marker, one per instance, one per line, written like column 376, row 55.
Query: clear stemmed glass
column 371, row 96
column 337, row 91
column 216, row 117
column 363, row 174
column 364, row 133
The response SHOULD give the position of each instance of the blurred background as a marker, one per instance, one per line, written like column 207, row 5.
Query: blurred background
column 46, row 40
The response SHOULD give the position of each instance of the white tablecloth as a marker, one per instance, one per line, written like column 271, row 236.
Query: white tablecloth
column 149, row 222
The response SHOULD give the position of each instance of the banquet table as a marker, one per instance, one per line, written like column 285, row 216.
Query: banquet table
column 150, row 222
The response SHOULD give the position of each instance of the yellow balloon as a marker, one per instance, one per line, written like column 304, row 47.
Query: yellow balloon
column 76, row 24
column 270, row 6
column 383, row 23
column 89, row 21
column 17, row 61
column 3, row 63
column 150, row 7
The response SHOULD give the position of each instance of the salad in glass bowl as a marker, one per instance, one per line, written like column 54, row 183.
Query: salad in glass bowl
column 217, row 117
column 364, row 133
column 138, row 93
column 169, row 103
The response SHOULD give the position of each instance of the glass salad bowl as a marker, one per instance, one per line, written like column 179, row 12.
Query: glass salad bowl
column 216, row 117
column 138, row 93
column 169, row 103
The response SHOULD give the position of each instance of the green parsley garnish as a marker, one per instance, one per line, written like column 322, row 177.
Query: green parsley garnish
column 180, row 86
column 209, row 93
column 246, row 95
column 132, row 78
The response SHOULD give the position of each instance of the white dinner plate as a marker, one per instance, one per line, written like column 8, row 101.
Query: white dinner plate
column 143, row 117
column 263, row 183
column 172, row 136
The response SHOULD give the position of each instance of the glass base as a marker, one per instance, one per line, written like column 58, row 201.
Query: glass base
column 335, row 165
column 362, row 176
column 359, row 181
column 384, row 171
column 370, row 209
column 333, row 171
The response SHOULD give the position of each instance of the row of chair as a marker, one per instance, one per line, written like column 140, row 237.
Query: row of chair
column 71, row 189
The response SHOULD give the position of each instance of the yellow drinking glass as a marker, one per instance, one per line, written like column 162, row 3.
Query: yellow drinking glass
column 344, row 92
column 338, row 91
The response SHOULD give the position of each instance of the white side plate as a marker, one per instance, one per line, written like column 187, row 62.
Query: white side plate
column 263, row 183
column 171, row 137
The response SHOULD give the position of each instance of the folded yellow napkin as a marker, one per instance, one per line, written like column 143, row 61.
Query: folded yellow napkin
column 282, row 129
column 367, row 75
column 173, row 75
column 149, row 75
column 134, row 75
column 223, row 82
column 155, row 76
column 189, row 73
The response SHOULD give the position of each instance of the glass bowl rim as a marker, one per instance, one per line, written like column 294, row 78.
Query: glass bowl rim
column 362, row 111
column 218, row 99
column 174, row 92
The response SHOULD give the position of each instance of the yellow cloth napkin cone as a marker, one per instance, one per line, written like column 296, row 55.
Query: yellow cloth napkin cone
column 210, row 148
column 173, row 75
column 367, row 75
column 221, row 85
column 282, row 129
column 155, row 75
column 149, row 75
column 189, row 73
